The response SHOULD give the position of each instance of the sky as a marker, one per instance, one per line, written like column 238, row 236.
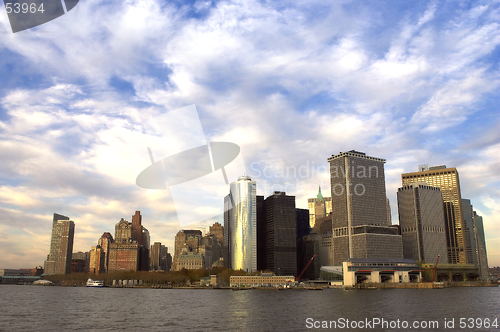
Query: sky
column 290, row 82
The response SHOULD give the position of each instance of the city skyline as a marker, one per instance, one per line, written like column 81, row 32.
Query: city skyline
column 289, row 83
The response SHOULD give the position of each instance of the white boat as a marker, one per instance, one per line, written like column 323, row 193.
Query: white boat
column 95, row 283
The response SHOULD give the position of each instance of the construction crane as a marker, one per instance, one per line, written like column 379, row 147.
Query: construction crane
column 435, row 269
column 305, row 268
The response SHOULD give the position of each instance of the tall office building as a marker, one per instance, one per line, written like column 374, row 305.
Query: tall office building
column 280, row 224
column 482, row 257
column 240, row 225
column 97, row 259
column 421, row 219
column 360, row 227
column 158, row 257
column 104, row 242
column 319, row 207
column 475, row 243
column 61, row 246
column 447, row 180
column 469, row 233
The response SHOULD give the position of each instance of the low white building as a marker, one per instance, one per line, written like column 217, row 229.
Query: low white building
column 372, row 270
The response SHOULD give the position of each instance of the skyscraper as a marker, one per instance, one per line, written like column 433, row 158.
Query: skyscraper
column 240, row 225
column 158, row 257
column 447, row 180
column 61, row 246
column 104, row 242
column 475, row 243
column 469, row 235
column 359, row 219
column 279, row 222
column 97, row 259
column 319, row 207
column 482, row 257
column 421, row 218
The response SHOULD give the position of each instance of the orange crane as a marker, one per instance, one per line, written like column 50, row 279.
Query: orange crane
column 305, row 268
column 435, row 269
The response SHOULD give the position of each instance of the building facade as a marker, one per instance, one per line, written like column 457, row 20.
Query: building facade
column 359, row 197
column 281, row 234
column 130, row 249
column 319, row 207
column 104, row 242
column 447, row 180
column 186, row 242
column 482, row 257
column 61, row 246
column 241, row 225
column 421, row 219
column 97, row 258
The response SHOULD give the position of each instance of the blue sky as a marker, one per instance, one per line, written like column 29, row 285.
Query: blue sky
column 290, row 82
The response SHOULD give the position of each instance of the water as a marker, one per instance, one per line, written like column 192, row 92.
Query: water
column 39, row 308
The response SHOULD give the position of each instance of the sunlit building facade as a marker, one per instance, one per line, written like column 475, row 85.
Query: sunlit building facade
column 319, row 207
column 241, row 225
column 447, row 180
column 421, row 219
column 61, row 246
column 360, row 226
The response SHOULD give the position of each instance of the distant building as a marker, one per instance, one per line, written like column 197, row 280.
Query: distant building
column 308, row 247
column 190, row 244
column 105, row 241
column 211, row 250
column 76, row 262
column 186, row 241
column 218, row 230
column 130, row 250
column 61, row 246
column 158, row 257
column 482, row 257
column 264, row 280
column 123, row 257
column 303, row 228
column 190, row 261
column 280, row 223
column 97, row 259
column 469, row 233
column 360, row 219
column 421, row 218
column 319, row 207
column 240, row 225
column 475, row 243
column 447, row 180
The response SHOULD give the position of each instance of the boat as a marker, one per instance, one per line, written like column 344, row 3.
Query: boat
column 94, row 283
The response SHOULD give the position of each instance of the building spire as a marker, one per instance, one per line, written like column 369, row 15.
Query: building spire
column 320, row 196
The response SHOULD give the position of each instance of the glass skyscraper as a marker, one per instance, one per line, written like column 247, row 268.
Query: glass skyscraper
column 240, row 221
